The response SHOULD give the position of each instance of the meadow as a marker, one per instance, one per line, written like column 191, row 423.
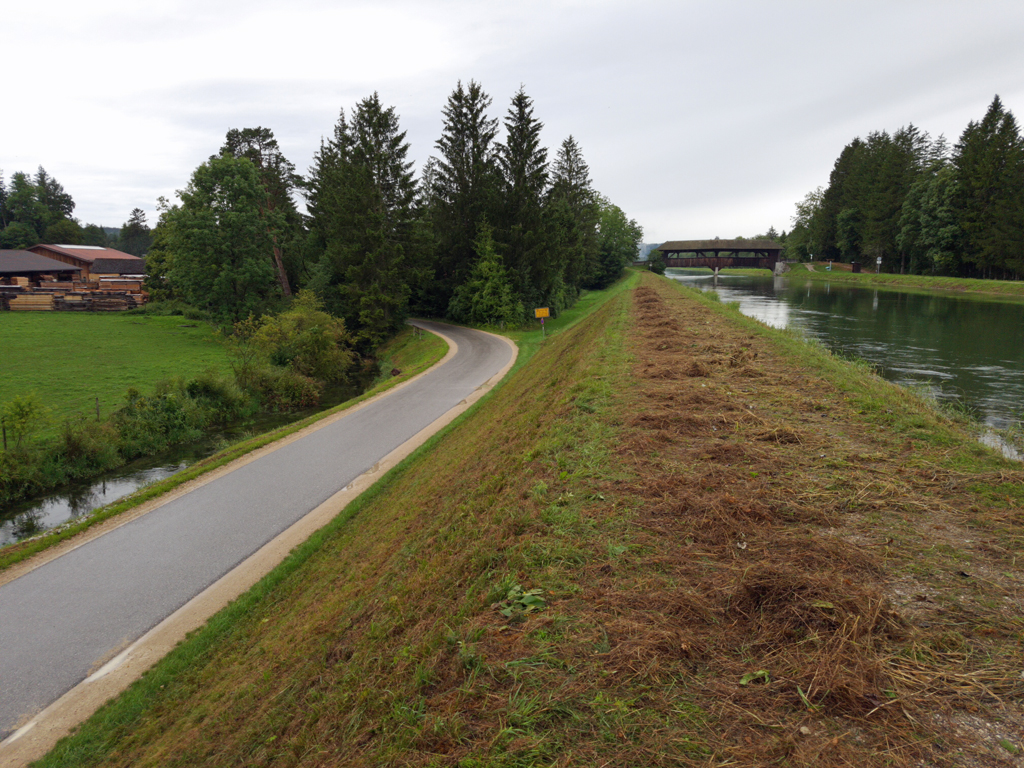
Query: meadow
column 70, row 360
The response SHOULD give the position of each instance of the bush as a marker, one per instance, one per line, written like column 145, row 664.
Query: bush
column 284, row 389
column 308, row 340
column 22, row 417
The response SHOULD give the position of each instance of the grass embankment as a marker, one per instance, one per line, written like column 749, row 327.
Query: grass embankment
column 70, row 359
column 1009, row 289
column 748, row 552
column 411, row 352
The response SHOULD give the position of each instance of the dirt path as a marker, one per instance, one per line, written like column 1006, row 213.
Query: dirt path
column 878, row 588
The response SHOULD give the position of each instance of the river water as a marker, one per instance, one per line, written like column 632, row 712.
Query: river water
column 68, row 504
column 960, row 348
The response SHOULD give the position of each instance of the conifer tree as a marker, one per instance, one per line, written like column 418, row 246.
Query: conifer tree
column 362, row 204
column 135, row 237
column 486, row 298
column 523, row 164
column 988, row 163
column 573, row 214
column 465, row 184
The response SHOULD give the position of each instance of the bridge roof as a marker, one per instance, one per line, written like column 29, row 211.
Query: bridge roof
column 719, row 245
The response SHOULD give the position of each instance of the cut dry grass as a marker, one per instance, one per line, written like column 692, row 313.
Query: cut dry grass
column 728, row 535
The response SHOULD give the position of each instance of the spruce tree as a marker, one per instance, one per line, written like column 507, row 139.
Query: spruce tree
column 362, row 205
column 988, row 163
column 465, row 184
column 523, row 164
column 573, row 214
column 135, row 237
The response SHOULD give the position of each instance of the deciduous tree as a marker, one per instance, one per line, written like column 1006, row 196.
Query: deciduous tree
column 278, row 180
column 222, row 238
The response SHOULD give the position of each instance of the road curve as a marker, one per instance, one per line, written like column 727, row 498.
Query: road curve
column 62, row 620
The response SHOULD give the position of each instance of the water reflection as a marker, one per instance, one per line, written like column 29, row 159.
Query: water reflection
column 71, row 502
column 961, row 349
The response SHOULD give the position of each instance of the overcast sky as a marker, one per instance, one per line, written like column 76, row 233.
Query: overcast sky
column 699, row 119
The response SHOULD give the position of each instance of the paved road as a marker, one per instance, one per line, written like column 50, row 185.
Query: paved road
column 59, row 620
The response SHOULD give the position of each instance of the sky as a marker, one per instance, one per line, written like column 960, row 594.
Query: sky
column 698, row 119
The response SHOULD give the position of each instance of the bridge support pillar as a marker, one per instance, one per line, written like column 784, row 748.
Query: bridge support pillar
column 716, row 271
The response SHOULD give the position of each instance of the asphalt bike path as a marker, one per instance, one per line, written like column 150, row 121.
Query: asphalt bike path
column 64, row 619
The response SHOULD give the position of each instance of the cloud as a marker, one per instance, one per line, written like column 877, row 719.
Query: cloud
column 697, row 118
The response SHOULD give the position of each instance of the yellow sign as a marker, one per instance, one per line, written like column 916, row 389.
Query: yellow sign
column 541, row 312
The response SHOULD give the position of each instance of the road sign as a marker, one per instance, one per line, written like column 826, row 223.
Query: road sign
column 541, row 312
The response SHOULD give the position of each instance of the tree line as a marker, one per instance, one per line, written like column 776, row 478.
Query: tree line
column 489, row 229
column 921, row 206
column 37, row 209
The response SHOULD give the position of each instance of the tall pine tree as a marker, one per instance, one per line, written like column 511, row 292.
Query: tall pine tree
column 465, row 184
column 573, row 213
column 988, row 163
column 523, row 164
column 362, row 204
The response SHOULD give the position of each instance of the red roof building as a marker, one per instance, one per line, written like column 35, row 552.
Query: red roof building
column 93, row 259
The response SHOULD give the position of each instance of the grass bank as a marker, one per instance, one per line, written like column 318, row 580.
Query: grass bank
column 672, row 537
column 411, row 352
column 72, row 359
column 1008, row 289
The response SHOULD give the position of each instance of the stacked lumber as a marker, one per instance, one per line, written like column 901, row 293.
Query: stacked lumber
column 108, row 303
column 22, row 281
column 32, row 301
column 121, row 285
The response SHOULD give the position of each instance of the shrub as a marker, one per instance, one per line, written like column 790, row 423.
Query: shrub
column 22, row 417
column 308, row 340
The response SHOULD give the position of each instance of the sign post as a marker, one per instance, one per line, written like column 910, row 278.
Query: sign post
column 878, row 264
column 540, row 313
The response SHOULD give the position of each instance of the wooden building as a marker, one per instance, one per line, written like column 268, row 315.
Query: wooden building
column 94, row 261
column 32, row 281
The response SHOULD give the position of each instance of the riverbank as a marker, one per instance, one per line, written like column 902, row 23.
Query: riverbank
column 410, row 353
column 674, row 536
column 1008, row 289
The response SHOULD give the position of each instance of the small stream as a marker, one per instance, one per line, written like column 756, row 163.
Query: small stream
column 64, row 505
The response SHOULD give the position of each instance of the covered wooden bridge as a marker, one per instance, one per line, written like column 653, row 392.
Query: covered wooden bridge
column 716, row 254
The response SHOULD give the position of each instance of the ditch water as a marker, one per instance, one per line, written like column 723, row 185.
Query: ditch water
column 33, row 516
column 960, row 349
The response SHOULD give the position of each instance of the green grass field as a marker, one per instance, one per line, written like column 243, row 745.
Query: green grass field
column 70, row 359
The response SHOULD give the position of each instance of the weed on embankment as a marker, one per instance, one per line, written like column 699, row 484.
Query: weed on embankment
column 673, row 537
